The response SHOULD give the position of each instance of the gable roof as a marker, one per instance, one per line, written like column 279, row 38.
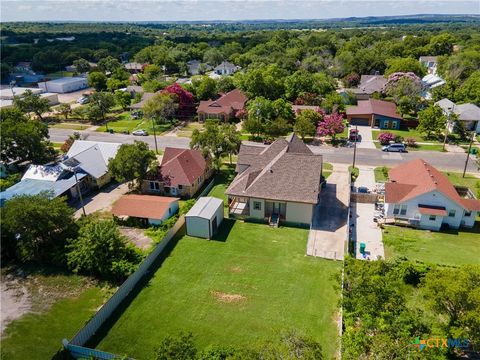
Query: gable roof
column 181, row 167
column 232, row 101
column 226, row 65
column 374, row 106
column 466, row 112
column 371, row 83
column 417, row 177
column 286, row 170
column 143, row 206
column 205, row 207
column 91, row 156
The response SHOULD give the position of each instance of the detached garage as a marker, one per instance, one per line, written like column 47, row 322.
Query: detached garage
column 204, row 218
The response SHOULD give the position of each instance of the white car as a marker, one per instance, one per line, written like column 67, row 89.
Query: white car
column 394, row 148
column 83, row 100
column 140, row 132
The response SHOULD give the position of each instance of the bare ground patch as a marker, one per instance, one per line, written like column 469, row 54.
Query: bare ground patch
column 236, row 269
column 228, row 298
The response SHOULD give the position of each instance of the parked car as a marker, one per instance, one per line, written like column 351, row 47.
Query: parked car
column 363, row 190
column 395, row 148
column 140, row 132
column 83, row 100
column 354, row 135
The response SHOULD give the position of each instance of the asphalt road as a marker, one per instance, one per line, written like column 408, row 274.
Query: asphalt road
column 367, row 157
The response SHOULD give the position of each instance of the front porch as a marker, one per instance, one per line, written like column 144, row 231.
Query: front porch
column 238, row 207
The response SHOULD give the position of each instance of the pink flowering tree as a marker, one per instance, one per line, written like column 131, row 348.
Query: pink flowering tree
column 186, row 101
column 331, row 125
column 385, row 138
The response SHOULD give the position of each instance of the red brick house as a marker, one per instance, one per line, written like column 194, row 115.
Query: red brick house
column 224, row 108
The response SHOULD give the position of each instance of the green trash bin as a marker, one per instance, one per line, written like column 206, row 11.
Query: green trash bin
column 362, row 248
column 474, row 151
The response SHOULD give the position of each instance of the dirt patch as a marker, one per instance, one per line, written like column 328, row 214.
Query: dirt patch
column 137, row 237
column 236, row 269
column 15, row 301
column 228, row 298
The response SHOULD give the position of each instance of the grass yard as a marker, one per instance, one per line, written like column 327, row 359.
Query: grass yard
column 447, row 248
column 187, row 130
column 327, row 170
column 251, row 283
column 125, row 122
column 411, row 133
column 60, row 305
column 469, row 180
column 70, row 126
column 380, row 175
column 222, row 179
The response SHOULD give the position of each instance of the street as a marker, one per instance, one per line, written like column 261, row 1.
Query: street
column 340, row 155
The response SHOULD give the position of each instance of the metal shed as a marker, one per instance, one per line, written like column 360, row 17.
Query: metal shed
column 204, row 218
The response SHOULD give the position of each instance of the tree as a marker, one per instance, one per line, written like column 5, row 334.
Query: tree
column 99, row 105
column 65, row 109
column 151, row 72
column 186, row 102
column 109, row 64
column 115, row 258
column 305, row 124
column 225, row 84
column 431, row 121
column 302, row 81
column 405, row 65
column 263, row 81
column 160, row 107
column 405, row 89
column 132, row 163
column 82, row 66
column 24, row 140
column 469, row 91
column 123, row 99
column 35, row 228
column 97, row 80
column 115, row 84
column 333, row 102
column 441, row 44
column 454, row 293
column 212, row 57
column 32, row 103
column 386, row 138
column 205, row 87
column 69, row 142
column 177, row 348
column 278, row 127
column 331, row 125
column 216, row 140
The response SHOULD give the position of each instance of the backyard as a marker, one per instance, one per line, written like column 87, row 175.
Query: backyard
column 124, row 122
column 245, row 286
column 446, row 248
column 50, row 306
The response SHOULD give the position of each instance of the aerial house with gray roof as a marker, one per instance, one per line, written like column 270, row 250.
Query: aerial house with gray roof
column 278, row 183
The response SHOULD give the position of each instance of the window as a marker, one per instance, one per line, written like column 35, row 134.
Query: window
column 169, row 211
column 467, row 214
column 257, row 205
column 154, row 186
column 403, row 209
column 396, row 209
column 432, row 218
column 451, row 213
column 180, row 187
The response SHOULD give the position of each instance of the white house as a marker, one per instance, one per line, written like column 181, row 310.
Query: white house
column 468, row 114
column 280, row 182
column 421, row 196
column 64, row 85
column 225, row 68
column 150, row 209
column 204, row 218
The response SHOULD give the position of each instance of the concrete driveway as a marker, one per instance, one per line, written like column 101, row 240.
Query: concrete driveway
column 366, row 137
column 328, row 232
column 364, row 229
column 101, row 200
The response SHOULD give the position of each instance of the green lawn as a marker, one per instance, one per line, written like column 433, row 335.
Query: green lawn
column 448, row 248
column 124, row 122
column 71, row 126
column 380, row 175
column 327, row 169
column 61, row 305
column 251, row 283
column 223, row 178
column 59, row 74
column 411, row 133
column 423, row 147
column 469, row 181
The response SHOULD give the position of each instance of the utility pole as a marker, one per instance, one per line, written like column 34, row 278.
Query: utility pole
column 155, row 136
column 79, row 191
column 355, row 146
column 468, row 154
column 446, row 127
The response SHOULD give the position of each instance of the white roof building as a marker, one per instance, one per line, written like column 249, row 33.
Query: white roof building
column 204, row 217
column 64, row 85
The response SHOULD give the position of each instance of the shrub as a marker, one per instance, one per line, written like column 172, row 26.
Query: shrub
column 385, row 138
column 411, row 142
column 354, row 172
column 385, row 172
column 398, row 139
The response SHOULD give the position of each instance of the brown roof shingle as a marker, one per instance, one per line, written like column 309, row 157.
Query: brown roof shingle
column 227, row 103
column 374, row 106
column 286, row 170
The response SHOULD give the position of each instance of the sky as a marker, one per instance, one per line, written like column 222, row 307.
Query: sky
column 191, row 10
